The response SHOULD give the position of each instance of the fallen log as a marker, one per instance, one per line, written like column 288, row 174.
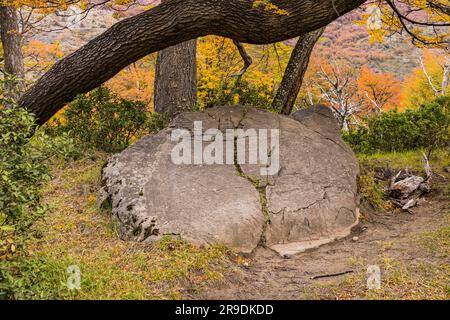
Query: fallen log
column 406, row 192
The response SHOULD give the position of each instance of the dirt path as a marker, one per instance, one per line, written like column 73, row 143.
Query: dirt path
column 388, row 240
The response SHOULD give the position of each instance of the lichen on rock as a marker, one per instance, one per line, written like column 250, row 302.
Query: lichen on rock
column 311, row 200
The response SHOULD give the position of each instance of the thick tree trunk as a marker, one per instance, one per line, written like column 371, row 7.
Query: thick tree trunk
column 295, row 71
column 176, row 79
column 168, row 24
column 12, row 51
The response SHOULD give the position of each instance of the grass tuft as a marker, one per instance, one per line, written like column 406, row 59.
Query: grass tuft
column 76, row 232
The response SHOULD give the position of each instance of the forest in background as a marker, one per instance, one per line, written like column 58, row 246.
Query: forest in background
column 390, row 98
column 346, row 42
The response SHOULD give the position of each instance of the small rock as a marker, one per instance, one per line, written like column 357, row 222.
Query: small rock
column 354, row 239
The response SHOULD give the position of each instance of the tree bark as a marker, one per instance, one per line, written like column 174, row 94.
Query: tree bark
column 446, row 77
column 12, row 51
column 295, row 71
column 176, row 79
column 168, row 24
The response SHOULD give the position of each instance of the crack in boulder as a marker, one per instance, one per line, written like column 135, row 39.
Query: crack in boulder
column 262, row 191
column 151, row 196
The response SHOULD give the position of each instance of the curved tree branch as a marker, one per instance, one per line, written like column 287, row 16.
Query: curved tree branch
column 170, row 23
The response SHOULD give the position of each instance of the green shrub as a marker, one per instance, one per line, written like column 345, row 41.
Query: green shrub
column 33, row 278
column 427, row 128
column 370, row 190
column 103, row 121
column 157, row 122
column 63, row 147
column 22, row 169
column 358, row 140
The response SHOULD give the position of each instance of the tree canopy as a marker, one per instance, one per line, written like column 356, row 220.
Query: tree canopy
column 247, row 21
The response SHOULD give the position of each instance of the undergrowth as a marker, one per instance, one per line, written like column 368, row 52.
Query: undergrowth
column 76, row 232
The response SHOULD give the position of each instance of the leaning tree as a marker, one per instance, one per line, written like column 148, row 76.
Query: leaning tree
column 171, row 23
column 177, row 21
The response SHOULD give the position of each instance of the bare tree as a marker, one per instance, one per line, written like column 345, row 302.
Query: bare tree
column 445, row 78
column 338, row 87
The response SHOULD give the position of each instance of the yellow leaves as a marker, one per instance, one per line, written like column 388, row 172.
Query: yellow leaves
column 40, row 56
column 7, row 249
column 416, row 88
column 92, row 199
column 218, row 60
column 376, row 22
column 118, row 15
column 268, row 6
column 376, row 36
column 122, row 2
column 411, row 18
column 236, row 99
column 83, row 4
column 39, row 4
column 63, row 227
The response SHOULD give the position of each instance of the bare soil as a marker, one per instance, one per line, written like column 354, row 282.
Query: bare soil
column 383, row 237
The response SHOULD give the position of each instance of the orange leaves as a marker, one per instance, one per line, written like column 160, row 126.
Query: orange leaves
column 40, row 56
column 44, row 50
column 354, row 91
column 382, row 90
column 136, row 81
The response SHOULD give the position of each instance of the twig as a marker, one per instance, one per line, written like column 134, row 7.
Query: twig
column 394, row 179
column 247, row 63
column 430, row 81
column 427, row 167
column 329, row 275
column 245, row 56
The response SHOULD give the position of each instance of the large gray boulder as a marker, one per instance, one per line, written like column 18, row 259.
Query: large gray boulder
column 310, row 200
